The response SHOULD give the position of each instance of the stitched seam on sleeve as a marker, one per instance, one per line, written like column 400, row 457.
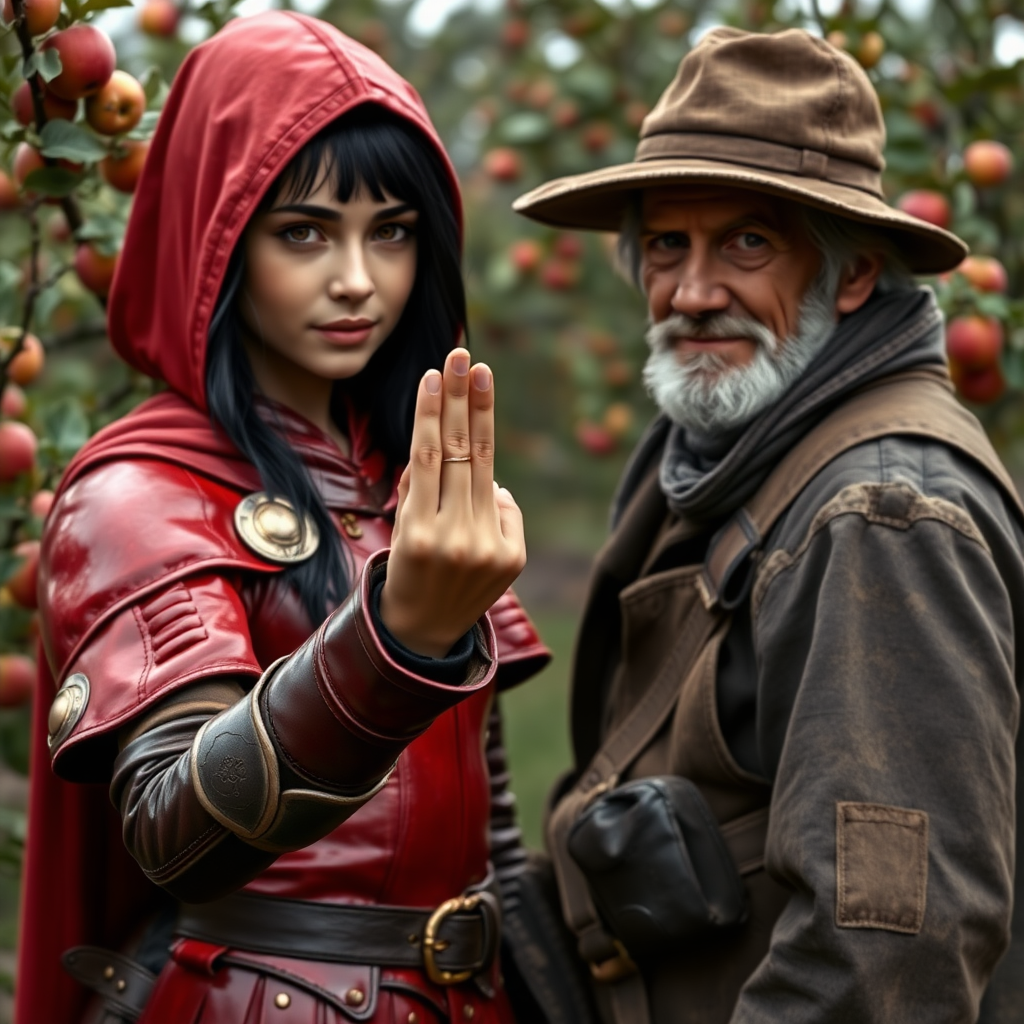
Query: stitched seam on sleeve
column 865, row 500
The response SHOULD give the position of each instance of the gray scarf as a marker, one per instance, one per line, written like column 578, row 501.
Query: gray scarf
column 706, row 479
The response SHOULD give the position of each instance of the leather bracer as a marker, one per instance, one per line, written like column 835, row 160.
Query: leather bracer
column 237, row 776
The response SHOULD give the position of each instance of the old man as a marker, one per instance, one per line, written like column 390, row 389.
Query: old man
column 796, row 693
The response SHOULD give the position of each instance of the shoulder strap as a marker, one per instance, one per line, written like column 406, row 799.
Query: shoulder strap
column 918, row 403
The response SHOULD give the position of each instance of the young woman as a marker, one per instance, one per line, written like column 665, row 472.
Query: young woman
column 288, row 717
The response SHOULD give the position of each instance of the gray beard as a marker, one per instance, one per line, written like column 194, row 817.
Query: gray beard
column 706, row 394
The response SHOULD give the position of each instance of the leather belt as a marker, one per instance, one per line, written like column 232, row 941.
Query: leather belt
column 451, row 943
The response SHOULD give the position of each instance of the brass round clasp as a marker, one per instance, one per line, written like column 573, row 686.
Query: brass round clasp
column 67, row 708
column 271, row 528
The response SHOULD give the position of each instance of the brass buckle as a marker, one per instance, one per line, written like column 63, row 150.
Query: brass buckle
column 432, row 945
column 614, row 968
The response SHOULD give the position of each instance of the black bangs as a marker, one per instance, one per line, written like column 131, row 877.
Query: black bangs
column 370, row 148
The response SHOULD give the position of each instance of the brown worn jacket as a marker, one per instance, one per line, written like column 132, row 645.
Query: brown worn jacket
column 867, row 687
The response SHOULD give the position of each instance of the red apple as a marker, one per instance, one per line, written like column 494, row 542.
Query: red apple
column 17, row 450
column 87, row 58
column 618, row 418
column 57, row 228
column 568, row 247
column 565, row 113
column 597, row 136
column 985, row 273
column 974, row 342
column 26, row 160
column 22, row 585
column 635, row 113
column 503, row 164
column 987, row 163
column 122, row 172
column 980, row 386
column 559, row 275
column 28, row 363
column 94, row 269
column 541, row 93
column 13, row 402
column 159, row 18
column 926, row 205
column 40, row 15
column 41, row 503
column 927, row 113
column 618, row 373
column 673, row 24
column 526, row 255
column 602, row 344
column 54, row 107
column 8, row 193
column 871, row 48
column 594, row 438
column 118, row 106
column 17, row 680
column 515, row 33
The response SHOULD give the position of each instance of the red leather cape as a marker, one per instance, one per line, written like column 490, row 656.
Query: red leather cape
column 241, row 106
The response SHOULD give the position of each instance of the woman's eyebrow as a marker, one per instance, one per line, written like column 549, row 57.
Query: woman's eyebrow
column 308, row 210
column 394, row 211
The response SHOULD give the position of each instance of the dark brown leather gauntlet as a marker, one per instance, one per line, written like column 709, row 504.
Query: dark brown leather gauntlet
column 282, row 767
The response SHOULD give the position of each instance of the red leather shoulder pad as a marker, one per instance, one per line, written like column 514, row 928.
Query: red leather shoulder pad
column 521, row 652
column 125, row 529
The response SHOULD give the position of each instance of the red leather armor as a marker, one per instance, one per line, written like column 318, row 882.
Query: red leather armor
column 143, row 611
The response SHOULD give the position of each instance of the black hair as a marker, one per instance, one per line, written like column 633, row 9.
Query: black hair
column 368, row 147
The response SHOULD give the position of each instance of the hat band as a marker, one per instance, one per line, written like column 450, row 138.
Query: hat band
column 765, row 156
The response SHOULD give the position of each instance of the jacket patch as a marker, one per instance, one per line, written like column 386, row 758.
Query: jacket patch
column 171, row 623
column 895, row 505
column 881, row 867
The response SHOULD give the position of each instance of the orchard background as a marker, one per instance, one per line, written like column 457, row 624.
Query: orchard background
column 521, row 92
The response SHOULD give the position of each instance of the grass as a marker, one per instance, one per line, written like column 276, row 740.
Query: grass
column 536, row 723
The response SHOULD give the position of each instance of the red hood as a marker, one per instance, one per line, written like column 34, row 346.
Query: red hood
column 241, row 107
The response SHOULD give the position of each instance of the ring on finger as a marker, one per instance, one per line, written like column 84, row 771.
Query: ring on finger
column 460, row 458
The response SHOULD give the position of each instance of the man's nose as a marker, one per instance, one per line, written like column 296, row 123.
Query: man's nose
column 699, row 290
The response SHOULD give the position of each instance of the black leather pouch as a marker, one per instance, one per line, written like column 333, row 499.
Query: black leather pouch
column 657, row 866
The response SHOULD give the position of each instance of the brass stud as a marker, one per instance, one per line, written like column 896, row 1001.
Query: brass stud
column 468, row 1012
column 414, row 940
column 413, row 1018
column 282, row 1000
column 350, row 524
column 121, row 985
column 355, row 997
column 108, row 972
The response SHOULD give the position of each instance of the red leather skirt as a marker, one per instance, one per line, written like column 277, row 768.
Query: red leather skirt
column 206, row 984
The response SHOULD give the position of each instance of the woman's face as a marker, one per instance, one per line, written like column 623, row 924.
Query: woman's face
column 325, row 283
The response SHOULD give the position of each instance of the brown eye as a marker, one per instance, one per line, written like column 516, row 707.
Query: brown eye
column 301, row 233
column 392, row 233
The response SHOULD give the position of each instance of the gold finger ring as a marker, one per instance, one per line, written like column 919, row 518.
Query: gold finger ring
column 461, row 458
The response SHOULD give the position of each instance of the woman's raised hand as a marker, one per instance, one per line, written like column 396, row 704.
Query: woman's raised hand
column 458, row 539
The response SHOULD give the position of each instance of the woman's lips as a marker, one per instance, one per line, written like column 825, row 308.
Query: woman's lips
column 352, row 332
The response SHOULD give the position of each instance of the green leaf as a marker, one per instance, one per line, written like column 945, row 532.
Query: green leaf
column 10, row 276
column 153, row 85
column 12, row 131
column 66, row 425
column 101, row 5
column 48, row 64
column 64, row 140
column 49, row 299
column 53, row 181
column 146, row 126
column 523, row 128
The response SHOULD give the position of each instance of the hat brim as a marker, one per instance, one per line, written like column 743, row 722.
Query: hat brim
column 598, row 200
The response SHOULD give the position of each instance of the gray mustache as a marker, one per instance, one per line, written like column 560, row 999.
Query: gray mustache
column 661, row 335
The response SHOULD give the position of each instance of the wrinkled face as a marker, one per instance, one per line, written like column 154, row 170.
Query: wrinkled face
column 738, row 307
column 325, row 281
column 714, row 252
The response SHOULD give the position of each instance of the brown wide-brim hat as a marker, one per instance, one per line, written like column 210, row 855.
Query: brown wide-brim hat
column 785, row 113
